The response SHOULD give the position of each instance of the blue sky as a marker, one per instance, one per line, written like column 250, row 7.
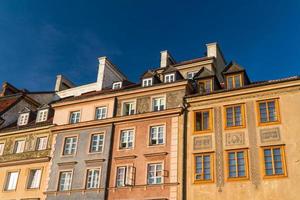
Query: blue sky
column 40, row 39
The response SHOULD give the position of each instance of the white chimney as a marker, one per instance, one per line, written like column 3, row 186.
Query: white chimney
column 212, row 49
column 166, row 59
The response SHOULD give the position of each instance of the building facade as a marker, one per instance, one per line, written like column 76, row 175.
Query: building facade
column 25, row 143
column 241, row 139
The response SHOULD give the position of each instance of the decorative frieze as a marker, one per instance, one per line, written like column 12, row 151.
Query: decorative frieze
column 269, row 135
column 202, row 142
column 237, row 138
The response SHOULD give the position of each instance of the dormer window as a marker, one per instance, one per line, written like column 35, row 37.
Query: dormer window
column 206, row 86
column 169, row 78
column 23, row 119
column 42, row 115
column 234, row 81
column 117, row 85
column 147, row 82
column 190, row 75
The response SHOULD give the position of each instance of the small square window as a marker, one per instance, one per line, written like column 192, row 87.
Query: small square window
column 234, row 116
column 70, row 145
column 158, row 103
column 101, row 112
column 97, row 142
column 2, row 145
column 203, row 167
column 157, row 135
column 128, row 108
column 23, row 119
column 19, row 146
column 41, row 143
column 74, row 117
column 117, row 85
column 206, row 86
column 42, row 115
column 274, row 161
column 268, row 112
column 203, row 120
column 234, row 81
column 169, row 78
column 93, row 178
column 126, row 139
column 237, row 164
column 147, row 82
column 155, row 173
column 190, row 75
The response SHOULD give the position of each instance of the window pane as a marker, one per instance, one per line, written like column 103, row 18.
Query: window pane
column 237, row 81
column 263, row 112
column 229, row 116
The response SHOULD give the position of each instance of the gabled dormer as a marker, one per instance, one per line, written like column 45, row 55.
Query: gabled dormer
column 117, row 85
column 42, row 113
column 235, row 76
column 206, row 81
column 171, row 74
column 149, row 78
column 24, row 116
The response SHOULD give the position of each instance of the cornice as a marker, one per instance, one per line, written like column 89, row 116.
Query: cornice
column 25, row 162
column 24, row 131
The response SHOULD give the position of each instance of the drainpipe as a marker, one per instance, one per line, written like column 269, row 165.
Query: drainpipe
column 184, row 162
column 109, row 157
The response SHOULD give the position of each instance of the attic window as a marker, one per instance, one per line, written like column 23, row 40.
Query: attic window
column 147, row 82
column 234, row 81
column 169, row 78
column 23, row 119
column 190, row 75
column 42, row 115
column 117, row 85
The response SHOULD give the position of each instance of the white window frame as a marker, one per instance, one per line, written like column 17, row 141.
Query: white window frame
column 127, row 139
column 10, row 186
column 169, row 78
column 42, row 115
column 161, row 102
column 41, row 143
column 72, row 146
column 19, row 146
column 76, row 118
column 101, row 112
column 193, row 73
column 154, row 135
column 117, row 85
column 92, row 181
column 35, row 181
column 155, row 176
column 23, row 119
column 127, row 177
column 99, row 143
column 67, row 185
column 2, row 146
column 147, row 82
column 131, row 109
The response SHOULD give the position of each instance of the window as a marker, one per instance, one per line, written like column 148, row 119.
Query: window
column 11, row 181
column 155, row 173
column 23, row 119
column 70, row 145
column 101, row 112
column 74, row 117
column 41, row 143
column 203, row 120
column 203, row 167
column 169, row 78
column 126, row 139
column 190, row 75
column 117, row 85
column 19, row 146
column 156, row 135
column 268, row 111
column 97, row 142
column 93, row 178
column 34, row 179
column 65, row 181
column 274, row 161
column 234, row 116
column 147, row 82
column 2, row 145
column 125, row 176
column 234, row 81
column 158, row 103
column 42, row 115
column 206, row 86
column 237, row 162
column 129, row 108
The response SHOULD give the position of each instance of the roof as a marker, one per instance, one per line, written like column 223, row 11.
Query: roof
column 233, row 67
column 7, row 102
column 148, row 74
column 169, row 69
column 204, row 73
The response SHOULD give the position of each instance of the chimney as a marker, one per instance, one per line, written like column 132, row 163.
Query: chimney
column 212, row 49
column 62, row 83
column 166, row 59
